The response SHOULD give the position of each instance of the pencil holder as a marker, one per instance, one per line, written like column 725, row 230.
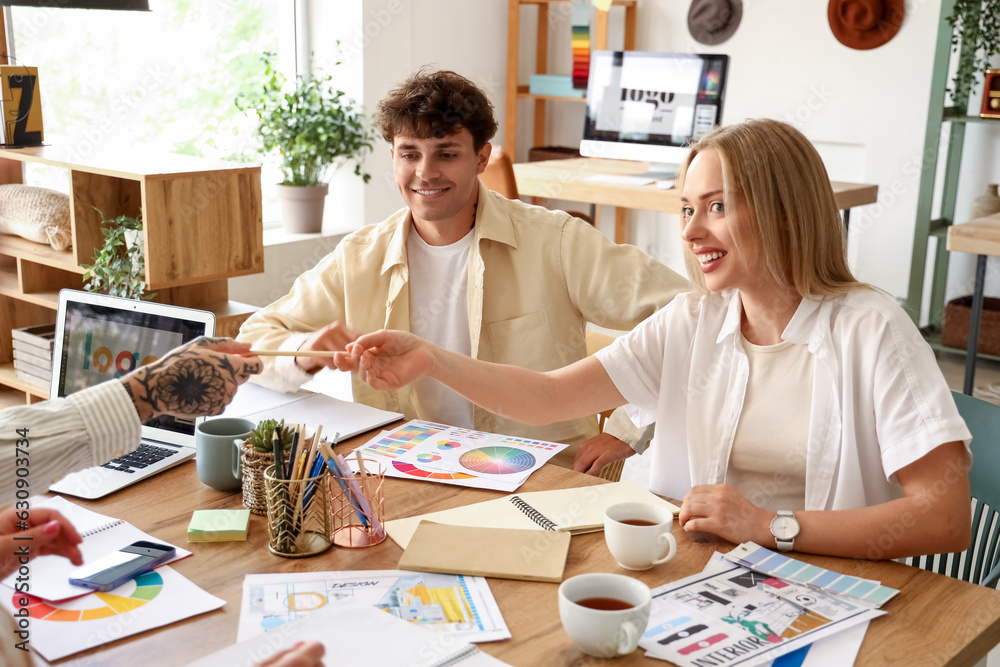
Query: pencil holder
column 298, row 515
column 358, row 507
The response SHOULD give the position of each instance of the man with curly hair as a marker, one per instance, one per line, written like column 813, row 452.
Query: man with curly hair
column 462, row 266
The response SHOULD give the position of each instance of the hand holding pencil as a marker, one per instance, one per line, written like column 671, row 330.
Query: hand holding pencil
column 331, row 339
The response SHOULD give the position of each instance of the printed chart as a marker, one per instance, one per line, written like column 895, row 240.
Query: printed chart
column 452, row 455
column 98, row 605
column 460, row 605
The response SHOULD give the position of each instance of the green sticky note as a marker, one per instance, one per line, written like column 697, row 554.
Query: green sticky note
column 219, row 526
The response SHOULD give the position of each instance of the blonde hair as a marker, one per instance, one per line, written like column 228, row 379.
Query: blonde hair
column 774, row 178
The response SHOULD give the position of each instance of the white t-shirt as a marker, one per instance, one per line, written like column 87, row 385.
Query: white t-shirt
column 768, row 462
column 878, row 402
column 439, row 313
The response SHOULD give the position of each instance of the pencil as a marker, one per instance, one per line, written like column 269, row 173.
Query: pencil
column 292, row 353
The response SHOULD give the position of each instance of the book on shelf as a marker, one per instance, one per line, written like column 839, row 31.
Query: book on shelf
column 42, row 337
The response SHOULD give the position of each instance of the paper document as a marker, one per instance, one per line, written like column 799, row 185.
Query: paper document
column 460, row 606
column 151, row 600
column 451, row 455
column 101, row 535
column 357, row 635
column 731, row 615
column 258, row 403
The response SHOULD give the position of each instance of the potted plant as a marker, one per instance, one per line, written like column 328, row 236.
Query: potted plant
column 314, row 129
column 119, row 267
column 975, row 26
column 257, row 454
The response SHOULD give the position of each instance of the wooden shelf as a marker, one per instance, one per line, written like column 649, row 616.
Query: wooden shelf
column 202, row 224
column 9, row 378
column 517, row 91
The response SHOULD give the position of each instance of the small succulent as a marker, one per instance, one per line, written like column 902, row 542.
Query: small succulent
column 262, row 437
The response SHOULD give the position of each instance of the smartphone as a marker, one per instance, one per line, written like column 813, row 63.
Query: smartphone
column 116, row 568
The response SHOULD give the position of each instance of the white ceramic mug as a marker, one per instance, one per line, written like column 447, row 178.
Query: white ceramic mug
column 600, row 632
column 643, row 544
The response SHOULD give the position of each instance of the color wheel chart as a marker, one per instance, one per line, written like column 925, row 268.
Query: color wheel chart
column 497, row 460
column 460, row 456
column 147, row 587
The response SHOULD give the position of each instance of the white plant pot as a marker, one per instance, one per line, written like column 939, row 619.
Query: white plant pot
column 302, row 207
column 133, row 237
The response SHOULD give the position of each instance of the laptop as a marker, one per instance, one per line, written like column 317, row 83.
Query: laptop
column 100, row 338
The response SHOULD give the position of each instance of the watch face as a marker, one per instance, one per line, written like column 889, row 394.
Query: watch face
column 784, row 527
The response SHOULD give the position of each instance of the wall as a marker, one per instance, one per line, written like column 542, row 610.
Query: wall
column 864, row 110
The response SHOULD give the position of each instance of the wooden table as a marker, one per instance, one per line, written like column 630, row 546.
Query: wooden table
column 935, row 620
column 568, row 179
column 980, row 237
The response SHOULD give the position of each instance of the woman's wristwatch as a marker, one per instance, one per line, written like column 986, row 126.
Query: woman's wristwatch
column 784, row 527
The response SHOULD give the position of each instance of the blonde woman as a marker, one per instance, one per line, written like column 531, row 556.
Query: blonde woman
column 795, row 406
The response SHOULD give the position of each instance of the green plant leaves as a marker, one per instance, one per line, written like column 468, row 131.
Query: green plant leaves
column 312, row 127
column 118, row 270
column 975, row 28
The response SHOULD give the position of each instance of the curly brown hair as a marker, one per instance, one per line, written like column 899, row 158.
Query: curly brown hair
column 436, row 104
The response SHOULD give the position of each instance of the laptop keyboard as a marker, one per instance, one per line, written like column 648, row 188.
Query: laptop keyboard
column 145, row 455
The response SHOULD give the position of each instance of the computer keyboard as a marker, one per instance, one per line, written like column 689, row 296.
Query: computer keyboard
column 621, row 179
column 143, row 456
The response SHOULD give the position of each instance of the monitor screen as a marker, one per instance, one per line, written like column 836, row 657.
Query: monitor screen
column 648, row 106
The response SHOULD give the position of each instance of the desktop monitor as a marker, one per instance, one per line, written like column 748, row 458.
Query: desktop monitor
column 648, row 106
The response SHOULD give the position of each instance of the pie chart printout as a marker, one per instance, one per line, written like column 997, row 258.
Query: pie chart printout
column 497, row 460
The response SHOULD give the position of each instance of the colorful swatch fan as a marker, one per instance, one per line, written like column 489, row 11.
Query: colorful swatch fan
column 581, row 42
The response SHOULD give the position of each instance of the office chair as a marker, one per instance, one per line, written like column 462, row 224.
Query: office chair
column 980, row 563
column 499, row 177
column 596, row 341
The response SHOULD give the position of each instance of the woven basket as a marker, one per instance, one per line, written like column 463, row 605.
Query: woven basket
column 253, row 463
column 958, row 314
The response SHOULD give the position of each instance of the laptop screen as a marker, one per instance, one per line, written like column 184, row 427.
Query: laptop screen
column 104, row 342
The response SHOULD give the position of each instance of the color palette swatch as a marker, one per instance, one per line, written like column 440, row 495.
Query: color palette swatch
column 524, row 442
column 414, row 471
column 580, row 41
column 147, row 587
column 759, row 559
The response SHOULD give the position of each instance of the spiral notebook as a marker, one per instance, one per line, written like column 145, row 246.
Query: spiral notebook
column 576, row 510
column 101, row 535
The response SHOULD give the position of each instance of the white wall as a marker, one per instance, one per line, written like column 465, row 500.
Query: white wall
column 866, row 111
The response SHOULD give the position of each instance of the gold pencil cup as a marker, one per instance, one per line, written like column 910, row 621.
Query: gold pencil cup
column 298, row 515
column 358, row 507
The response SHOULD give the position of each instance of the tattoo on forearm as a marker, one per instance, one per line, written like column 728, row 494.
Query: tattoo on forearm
column 188, row 384
column 251, row 369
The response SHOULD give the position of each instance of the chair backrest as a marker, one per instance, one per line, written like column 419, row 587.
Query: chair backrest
column 980, row 563
column 499, row 174
column 595, row 341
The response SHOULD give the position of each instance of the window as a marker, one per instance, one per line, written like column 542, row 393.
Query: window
column 162, row 81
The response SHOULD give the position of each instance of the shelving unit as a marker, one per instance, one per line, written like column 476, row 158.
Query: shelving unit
column 516, row 91
column 202, row 224
column 927, row 226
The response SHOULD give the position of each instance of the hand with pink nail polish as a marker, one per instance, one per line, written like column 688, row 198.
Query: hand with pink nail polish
column 47, row 532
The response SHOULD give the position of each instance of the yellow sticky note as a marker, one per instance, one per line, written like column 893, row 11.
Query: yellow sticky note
column 602, row 5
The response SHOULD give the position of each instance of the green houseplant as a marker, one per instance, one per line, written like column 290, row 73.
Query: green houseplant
column 975, row 26
column 119, row 267
column 256, row 454
column 314, row 129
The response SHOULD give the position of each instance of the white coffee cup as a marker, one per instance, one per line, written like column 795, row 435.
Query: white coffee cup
column 600, row 632
column 644, row 543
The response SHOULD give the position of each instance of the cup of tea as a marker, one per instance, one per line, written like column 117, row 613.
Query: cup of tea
column 604, row 614
column 638, row 534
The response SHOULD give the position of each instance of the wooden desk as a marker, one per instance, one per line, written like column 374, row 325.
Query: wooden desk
column 935, row 620
column 568, row 179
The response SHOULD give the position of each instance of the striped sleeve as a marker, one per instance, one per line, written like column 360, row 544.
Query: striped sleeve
column 42, row 443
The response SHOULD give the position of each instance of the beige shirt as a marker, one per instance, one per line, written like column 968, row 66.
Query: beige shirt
column 535, row 278
column 767, row 464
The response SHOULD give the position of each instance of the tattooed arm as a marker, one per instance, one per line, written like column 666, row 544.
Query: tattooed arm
column 194, row 380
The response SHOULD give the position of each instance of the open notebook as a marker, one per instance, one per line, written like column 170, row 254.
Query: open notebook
column 577, row 510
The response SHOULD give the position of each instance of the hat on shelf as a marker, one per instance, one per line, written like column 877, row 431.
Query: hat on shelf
column 712, row 22
column 865, row 24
